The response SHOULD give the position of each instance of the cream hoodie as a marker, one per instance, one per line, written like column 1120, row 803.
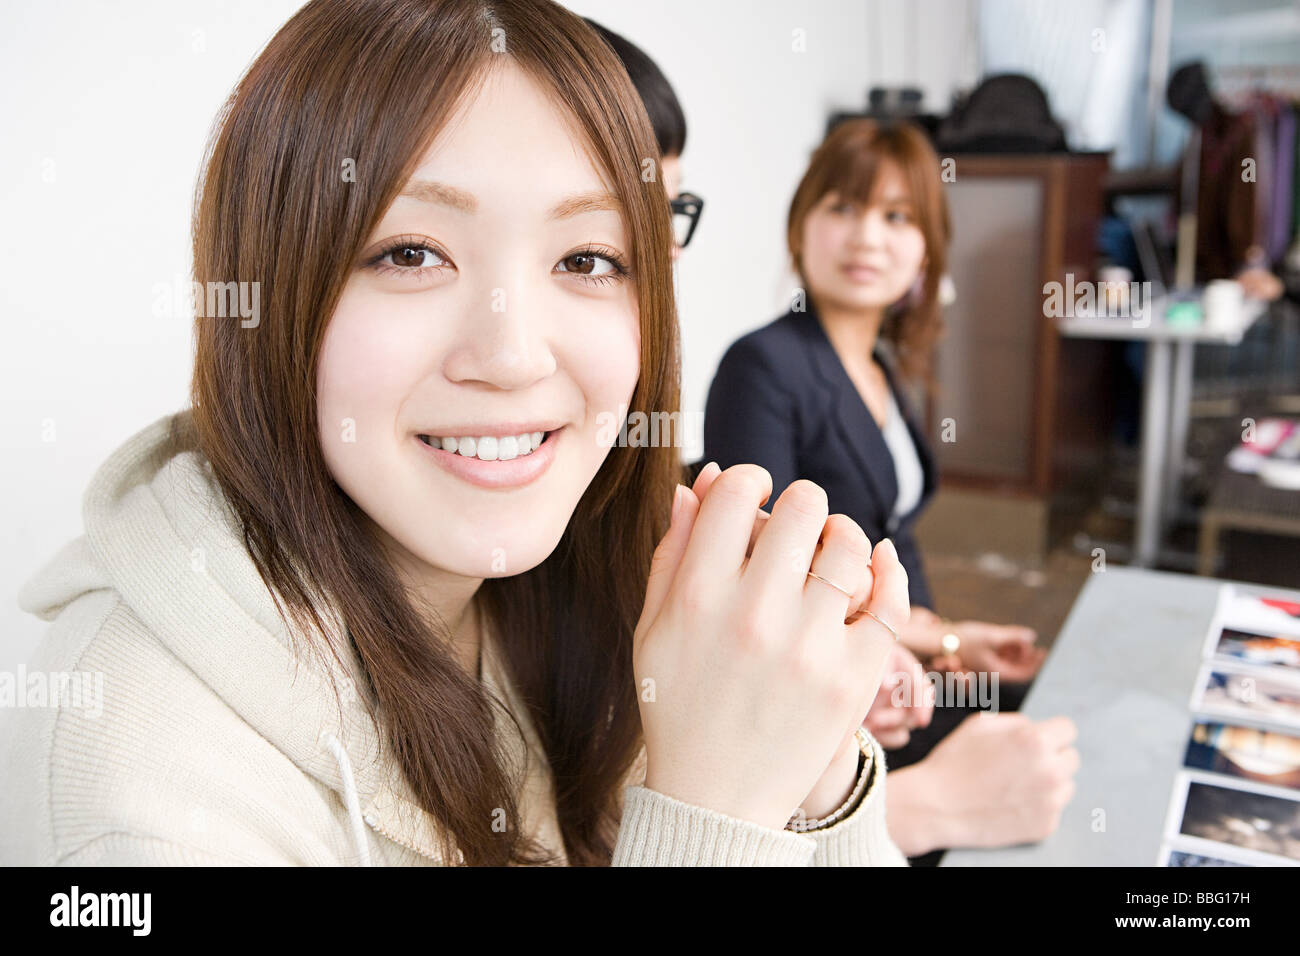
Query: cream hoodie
column 211, row 744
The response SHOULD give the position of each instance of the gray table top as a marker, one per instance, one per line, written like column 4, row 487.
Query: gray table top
column 1154, row 328
column 1123, row 670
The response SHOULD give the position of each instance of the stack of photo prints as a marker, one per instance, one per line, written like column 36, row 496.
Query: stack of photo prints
column 1236, row 801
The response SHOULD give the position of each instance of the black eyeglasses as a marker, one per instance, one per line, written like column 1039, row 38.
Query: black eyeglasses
column 686, row 216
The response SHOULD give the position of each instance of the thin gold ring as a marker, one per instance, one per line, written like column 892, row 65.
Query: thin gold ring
column 883, row 623
column 814, row 574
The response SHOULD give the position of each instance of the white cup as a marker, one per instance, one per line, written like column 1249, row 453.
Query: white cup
column 1113, row 290
column 1222, row 302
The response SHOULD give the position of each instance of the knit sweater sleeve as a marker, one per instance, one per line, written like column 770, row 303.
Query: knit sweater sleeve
column 658, row 830
column 135, row 849
column 861, row 838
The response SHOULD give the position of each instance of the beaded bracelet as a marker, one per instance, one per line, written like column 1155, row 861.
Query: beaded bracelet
column 800, row 824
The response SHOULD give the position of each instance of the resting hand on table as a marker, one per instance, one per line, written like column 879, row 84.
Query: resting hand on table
column 1007, row 650
column 760, row 685
column 996, row 780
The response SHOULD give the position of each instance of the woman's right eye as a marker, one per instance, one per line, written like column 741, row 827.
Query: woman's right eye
column 408, row 258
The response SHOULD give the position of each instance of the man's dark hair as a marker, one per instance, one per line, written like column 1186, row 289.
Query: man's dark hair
column 656, row 93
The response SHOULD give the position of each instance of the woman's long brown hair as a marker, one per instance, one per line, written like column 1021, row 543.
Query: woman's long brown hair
column 847, row 162
column 367, row 85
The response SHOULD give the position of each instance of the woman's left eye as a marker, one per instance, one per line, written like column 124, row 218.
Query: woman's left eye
column 594, row 266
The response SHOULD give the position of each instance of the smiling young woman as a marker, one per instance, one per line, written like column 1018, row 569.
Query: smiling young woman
column 383, row 594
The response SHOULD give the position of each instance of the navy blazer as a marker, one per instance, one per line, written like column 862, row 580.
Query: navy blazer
column 782, row 399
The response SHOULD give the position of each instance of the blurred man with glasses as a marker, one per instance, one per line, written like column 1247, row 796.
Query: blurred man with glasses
column 669, row 124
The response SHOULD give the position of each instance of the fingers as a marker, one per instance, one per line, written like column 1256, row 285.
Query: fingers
column 889, row 598
column 1005, row 720
column 946, row 662
column 841, row 557
column 893, row 739
column 1070, row 762
column 1059, row 760
column 883, row 715
column 1058, row 732
column 1017, row 637
column 887, row 723
column 668, row 555
column 760, row 522
column 783, row 554
column 705, row 478
column 923, row 694
column 1034, row 658
column 1018, row 672
column 725, row 521
column 906, row 697
column 869, row 640
column 862, row 595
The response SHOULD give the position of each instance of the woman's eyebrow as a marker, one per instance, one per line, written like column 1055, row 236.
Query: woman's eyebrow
column 429, row 191
column 584, row 203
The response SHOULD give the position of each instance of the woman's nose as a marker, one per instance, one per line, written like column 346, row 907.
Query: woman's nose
column 504, row 345
column 871, row 230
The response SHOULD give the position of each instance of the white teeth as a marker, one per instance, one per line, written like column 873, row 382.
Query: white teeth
column 489, row 447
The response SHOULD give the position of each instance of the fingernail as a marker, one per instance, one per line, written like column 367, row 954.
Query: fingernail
column 679, row 499
column 893, row 552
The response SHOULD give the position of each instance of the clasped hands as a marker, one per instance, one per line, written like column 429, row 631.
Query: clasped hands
column 762, row 674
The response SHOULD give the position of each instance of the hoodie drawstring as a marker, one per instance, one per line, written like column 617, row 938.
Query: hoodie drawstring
column 350, row 798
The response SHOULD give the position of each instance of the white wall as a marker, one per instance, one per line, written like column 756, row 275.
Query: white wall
column 755, row 110
column 107, row 109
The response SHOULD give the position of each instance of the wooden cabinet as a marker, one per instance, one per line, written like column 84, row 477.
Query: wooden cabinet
column 1028, row 413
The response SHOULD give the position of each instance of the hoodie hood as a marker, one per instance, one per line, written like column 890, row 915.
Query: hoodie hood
column 159, row 532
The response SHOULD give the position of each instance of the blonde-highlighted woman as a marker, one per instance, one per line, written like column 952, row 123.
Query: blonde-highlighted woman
column 818, row 395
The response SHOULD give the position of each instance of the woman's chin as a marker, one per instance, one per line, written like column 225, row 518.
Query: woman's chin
column 484, row 552
column 860, row 296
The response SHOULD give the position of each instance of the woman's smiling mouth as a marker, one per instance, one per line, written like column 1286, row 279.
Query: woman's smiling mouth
column 861, row 273
column 489, row 447
column 504, row 460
